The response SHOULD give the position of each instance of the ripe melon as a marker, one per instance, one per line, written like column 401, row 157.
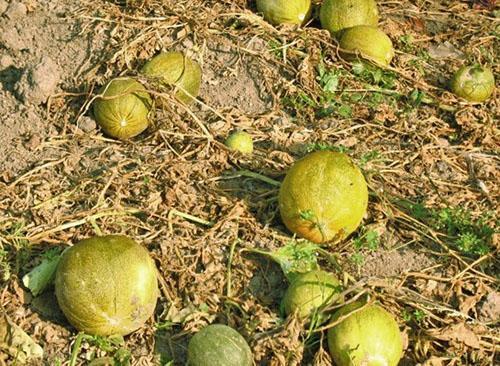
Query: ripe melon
column 173, row 68
column 369, row 337
column 323, row 197
column 473, row 83
column 285, row 11
column 336, row 15
column 310, row 292
column 372, row 43
column 122, row 110
column 220, row 345
column 106, row 285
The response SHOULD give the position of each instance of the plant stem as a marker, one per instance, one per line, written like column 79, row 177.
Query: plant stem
column 229, row 264
column 174, row 212
column 263, row 178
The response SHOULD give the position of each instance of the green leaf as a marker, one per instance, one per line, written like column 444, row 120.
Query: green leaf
column 293, row 258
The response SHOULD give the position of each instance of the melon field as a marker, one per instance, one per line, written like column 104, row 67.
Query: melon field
column 234, row 183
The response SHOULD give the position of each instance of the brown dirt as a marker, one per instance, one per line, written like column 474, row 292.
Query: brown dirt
column 61, row 180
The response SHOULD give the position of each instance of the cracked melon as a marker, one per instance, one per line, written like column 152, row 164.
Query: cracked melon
column 473, row 83
column 173, row 68
column 323, row 197
column 106, row 285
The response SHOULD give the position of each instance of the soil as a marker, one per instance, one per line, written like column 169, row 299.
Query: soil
column 179, row 192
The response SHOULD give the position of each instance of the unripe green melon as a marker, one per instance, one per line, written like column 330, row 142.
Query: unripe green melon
column 122, row 110
column 240, row 141
column 336, row 15
column 323, row 197
column 106, row 285
column 372, row 43
column 220, row 345
column 173, row 68
column 285, row 11
column 369, row 337
column 311, row 291
column 474, row 83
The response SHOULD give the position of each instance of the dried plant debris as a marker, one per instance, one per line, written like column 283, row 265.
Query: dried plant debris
column 428, row 246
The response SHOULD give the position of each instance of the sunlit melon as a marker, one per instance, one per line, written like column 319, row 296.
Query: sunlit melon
column 106, row 285
column 336, row 15
column 369, row 337
column 323, row 197
column 285, row 11
column 174, row 68
column 240, row 141
column 122, row 108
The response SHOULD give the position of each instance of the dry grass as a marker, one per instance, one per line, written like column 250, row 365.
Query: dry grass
column 441, row 153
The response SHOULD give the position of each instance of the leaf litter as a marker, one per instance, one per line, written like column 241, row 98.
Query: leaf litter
column 423, row 152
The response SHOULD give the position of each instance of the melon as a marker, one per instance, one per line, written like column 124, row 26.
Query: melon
column 285, row 11
column 106, row 285
column 122, row 108
column 323, row 197
column 473, row 83
column 310, row 292
column 175, row 69
column 369, row 337
column 370, row 42
column 336, row 15
column 240, row 141
column 220, row 345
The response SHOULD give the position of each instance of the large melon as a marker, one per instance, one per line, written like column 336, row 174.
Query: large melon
column 336, row 15
column 220, row 345
column 474, row 83
column 369, row 337
column 173, row 68
column 122, row 108
column 323, row 197
column 106, row 285
column 285, row 11
column 370, row 42
column 310, row 292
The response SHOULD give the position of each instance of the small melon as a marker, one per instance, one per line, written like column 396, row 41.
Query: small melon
column 372, row 43
column 310, row 292
column 122, row 109
column 220, row 345
column 240, row 141
column 473, row 83
column 369, row 337
column 323, row 197
column 336, row 15
column 106, row 285
column 174, row 68
column 285, row 11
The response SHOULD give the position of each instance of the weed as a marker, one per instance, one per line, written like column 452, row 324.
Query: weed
column 368, row 240
column 471, row 236
column 322, row 146
column 416, row 316
column 374, row 75
column 369, row 156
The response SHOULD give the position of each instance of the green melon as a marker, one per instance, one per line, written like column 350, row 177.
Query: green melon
column 220, row 345
column 285, row 11
column 323, row 197
column 310, row 292
column 173, row 68
column 122, row 109
column 369, row 337
column 473, row 83
column 370, row 42
column 106, row 285
column 336, row 15
column 240, row 141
